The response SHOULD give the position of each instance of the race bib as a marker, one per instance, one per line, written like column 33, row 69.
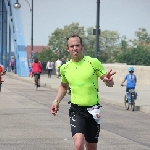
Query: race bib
column 95, row 112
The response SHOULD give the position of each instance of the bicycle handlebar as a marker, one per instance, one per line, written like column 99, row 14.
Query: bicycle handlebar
column 1, row 82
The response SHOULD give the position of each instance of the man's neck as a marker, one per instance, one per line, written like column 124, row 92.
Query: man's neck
column 77, row 59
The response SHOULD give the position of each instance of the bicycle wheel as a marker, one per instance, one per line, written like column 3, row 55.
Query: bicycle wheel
column 133, row 105
column 36, row 81
column 126, row 103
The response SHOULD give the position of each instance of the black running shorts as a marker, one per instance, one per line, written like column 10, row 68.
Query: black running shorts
column 85, row 125
column 37, row 73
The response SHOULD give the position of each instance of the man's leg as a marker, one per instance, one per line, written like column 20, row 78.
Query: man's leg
column 127, row 91
column 90, row 146
column 77, row 128
column 57, row 72
column 39, row 80
column 91, row 135
column 33, row 78
column 12, row 68
column 50, row 73
column 78, row 141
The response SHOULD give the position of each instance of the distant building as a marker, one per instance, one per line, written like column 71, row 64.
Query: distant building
column 36, row 49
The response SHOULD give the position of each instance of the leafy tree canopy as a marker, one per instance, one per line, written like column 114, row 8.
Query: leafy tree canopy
column 113, row 48
column 136, row 56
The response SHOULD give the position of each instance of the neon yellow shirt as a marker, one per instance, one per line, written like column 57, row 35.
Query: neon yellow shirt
column 82, row 77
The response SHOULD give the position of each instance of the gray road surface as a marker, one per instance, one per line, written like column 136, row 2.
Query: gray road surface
column 26, row 123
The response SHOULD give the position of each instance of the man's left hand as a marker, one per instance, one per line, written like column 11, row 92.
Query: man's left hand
column 110, row 84
column 108, row 78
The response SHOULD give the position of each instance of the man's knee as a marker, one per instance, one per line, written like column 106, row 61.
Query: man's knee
column 79, row 141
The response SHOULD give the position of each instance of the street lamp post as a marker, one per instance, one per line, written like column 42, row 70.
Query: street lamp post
column 17, row 5
column 96, row 31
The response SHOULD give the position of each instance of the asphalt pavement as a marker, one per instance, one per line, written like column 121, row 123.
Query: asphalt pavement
column 109, row 95
column 27, row 124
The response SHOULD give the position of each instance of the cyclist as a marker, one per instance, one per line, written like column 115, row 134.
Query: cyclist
column 130, row 79
column 2, row 72
column 81, row 74
column 37, row 69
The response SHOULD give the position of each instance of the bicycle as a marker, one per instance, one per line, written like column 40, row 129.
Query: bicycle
column 1, row 84
column 1, row 73
column 36, row 81
column 129, row 99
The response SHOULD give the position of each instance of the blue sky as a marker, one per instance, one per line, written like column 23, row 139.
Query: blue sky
column 123, row 16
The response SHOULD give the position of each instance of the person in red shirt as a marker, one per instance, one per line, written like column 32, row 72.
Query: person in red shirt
column 2, row 72
column 37, row 69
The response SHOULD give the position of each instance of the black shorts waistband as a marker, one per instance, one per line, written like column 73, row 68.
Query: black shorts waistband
column 82, row 107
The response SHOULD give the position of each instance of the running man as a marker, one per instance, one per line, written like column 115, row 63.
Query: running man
column 81, row 74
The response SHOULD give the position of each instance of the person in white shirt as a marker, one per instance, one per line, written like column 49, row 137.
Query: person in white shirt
column 49, row 67
column 58, row 64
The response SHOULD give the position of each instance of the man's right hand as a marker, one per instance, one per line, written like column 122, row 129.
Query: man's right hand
column 54, row 108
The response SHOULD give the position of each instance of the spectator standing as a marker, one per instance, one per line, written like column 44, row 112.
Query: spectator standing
column 58, row 64
column 49, row 67
column 12, row 63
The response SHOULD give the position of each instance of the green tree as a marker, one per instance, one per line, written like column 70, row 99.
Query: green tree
column 136, row 56
column 35, row 55
column 124, row 44
column 89, row 42
column 108, row 45
column 46, row 55
column 142, row 38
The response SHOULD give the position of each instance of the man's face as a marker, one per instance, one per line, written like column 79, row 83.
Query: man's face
column 74, row 47
column 131, row 72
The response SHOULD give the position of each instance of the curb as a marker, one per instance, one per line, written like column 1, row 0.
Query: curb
column 26, row 80
column 137, row 108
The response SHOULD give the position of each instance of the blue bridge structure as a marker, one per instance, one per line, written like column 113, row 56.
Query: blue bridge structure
column 12, row 38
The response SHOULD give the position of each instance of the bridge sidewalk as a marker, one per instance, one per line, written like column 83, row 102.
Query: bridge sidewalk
column 109, row 95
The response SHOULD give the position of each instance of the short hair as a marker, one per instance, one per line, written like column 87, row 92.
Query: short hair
column 72, row 36
column 36, row 60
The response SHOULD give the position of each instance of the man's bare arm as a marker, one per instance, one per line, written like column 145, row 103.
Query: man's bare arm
column 62, row 90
